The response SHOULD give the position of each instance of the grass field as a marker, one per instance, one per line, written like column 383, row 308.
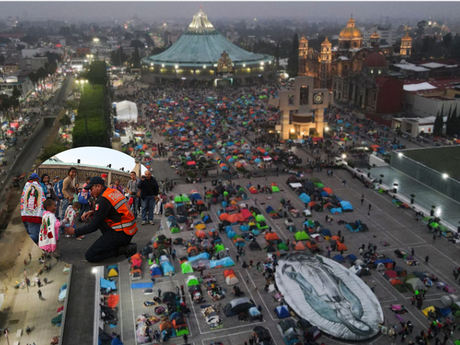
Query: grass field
column 444, row 159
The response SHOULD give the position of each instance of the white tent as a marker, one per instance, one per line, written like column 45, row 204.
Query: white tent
column 126, row 111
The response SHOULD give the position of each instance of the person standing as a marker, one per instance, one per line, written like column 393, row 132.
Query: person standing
column 426, row 259
column 362, row 199
column 133, row 189
column 148, row 190
column 117, row 186
column 58, row 196
column 185, row 339
column 159, row 293
column 32, row 210
column 39, row 292
column 68, row 189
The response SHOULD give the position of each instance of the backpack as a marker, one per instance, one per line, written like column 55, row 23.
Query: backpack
column 83, row 197
column 58, row 189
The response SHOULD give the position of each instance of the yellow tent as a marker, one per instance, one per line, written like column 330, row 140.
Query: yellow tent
column 112, row 273
column 427, row 310
column 200, row 226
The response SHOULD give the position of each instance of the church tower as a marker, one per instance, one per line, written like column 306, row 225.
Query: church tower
column 325, row 62
column 374, row 39
column 303, row 50
column 406, row 46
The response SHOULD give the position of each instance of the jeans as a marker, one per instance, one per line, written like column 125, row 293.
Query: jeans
column 33, row 229
column 135, row 205
column 64, row 205
column 148, row 203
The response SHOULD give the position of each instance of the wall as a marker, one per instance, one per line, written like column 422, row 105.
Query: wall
column 390, row 96
column 373, row 159
column 426, row 175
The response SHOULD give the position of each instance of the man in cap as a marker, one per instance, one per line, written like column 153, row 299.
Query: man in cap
column 104, row 177
column 115, row 220
column 32, row 200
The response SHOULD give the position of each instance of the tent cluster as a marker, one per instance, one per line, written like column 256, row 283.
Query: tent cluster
column 184, row 206
column 318, row 197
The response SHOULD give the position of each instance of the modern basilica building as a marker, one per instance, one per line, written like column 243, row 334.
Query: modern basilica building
column 202, row 53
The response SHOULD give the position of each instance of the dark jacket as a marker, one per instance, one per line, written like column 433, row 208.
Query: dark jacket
column 143, row 187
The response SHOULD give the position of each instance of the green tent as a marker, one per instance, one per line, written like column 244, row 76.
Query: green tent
column 260, row 227
column 260, row 218
column 225, row 193
column 192, row 281
column 178, row 198
column 319, row 185
column 186, row 267
column 282, row 246
column 185, row 198
column 434, row 225
column 275, row 189
column 175, row 230
column 301, row 236
column 181, row 331
column 219, row 247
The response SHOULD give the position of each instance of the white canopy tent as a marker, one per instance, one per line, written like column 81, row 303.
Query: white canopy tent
column 126, row 111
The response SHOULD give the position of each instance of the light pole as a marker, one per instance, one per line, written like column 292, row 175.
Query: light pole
column 82, row 82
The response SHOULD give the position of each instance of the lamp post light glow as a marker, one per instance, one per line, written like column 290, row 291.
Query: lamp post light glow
column 344, row 156
column 400, row 154
column 326, row 129
column 444, row 176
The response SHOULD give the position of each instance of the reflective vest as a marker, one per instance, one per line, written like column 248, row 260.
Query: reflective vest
column 127, row 224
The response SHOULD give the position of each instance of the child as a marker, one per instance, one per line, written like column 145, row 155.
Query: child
column 70, row 215
column 49, row 230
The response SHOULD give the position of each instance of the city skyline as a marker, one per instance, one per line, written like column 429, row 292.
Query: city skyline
column 228, row 10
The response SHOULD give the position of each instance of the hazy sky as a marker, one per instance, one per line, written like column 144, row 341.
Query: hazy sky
column 99, row 156
column 232, row 10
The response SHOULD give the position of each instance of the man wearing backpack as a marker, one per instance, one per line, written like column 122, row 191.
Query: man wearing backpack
column 148, row 190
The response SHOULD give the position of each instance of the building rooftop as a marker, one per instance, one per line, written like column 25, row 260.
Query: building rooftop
column 411, row 67
column 419, row 87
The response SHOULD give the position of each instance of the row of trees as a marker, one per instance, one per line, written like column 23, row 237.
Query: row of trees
column 92, row 124
column 8, row 103
column 452, row 122
column 118, row 58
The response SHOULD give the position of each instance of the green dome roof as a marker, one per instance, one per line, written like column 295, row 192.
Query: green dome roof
column 203, row 45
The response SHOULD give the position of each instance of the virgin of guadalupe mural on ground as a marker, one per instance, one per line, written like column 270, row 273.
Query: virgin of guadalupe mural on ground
column 329, row 296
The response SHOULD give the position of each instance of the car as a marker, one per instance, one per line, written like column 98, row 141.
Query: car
column 340, row 161
column 237, row 306
column 289, row 331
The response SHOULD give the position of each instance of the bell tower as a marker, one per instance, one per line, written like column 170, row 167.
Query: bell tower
column 406, row 46
column 303, row 50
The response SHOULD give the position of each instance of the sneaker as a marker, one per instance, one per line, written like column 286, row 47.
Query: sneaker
column 68, row 236
column 144, row 222
column 80, row 237
column 151, row 222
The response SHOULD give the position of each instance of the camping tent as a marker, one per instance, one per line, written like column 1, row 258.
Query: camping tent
column 192, row 281
column 225, row 262
column 126, row 111
column 230, row 277
column 112, row 271
column 186, row 267
column 301, row 236
column 282, row 312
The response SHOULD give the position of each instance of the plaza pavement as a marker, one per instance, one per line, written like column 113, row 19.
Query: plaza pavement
column 22, row 307
column 386, row 223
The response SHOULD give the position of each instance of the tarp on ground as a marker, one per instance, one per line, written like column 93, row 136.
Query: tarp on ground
column 107, row 284
column 346, row 206
column 225, row 262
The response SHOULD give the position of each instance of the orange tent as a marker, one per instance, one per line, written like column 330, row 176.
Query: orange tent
column 236, row 217
column 311, row 246
column 271, row 236
column 311, row 204
column 192, row 248
column 113, row 300
column 200, row 234
column 335, row 238
column 228, row 273
column 341, row 246
column 224, row 216
column 299, row 246
column 328, row 190
column 166, row 325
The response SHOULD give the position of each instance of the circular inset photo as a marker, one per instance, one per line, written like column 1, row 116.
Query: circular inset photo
column 90, row 205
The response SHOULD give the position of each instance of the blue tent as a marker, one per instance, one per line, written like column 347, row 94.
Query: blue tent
column 244, row 227
column 107, row 284
column 351, row 258
column 339, row 258
column 346, row 206
column 195, row 196
column 336, row 210
column 282, row 312
column 228, row 229
column 155, row 272
column 203, row 255
column 305, row 198
column 349, row 227
column 383, row 261
column 167, row 268
column 326, row 232
column 257, row 160
column 269, row 209
column 324, row 193
column 231, row 234
column 225, row 262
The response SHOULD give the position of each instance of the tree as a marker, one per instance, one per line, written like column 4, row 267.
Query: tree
column 420, row 31
column 293, row 62
column 438, row 125
column 65, row 120
column 118, row 57
column 452, row 122
column 136, row 59
column 5, row 104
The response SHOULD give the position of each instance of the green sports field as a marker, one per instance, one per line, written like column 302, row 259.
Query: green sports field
column 444, row 159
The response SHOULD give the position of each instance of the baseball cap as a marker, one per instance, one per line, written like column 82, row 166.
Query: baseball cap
column 56, row 177
column 34, row 175
column 104, row 175
column 94, row 180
